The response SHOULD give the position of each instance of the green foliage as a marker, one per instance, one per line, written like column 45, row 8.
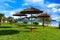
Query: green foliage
column 10, row 19
column 59, row 25
column 25, row 22
column 36, row 23
column 20, row 33
column 15, row 21
column 4, row 19
column 46, row 19
column 1, row 15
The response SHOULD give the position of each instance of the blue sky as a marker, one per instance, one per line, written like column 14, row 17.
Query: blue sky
column 10, row 7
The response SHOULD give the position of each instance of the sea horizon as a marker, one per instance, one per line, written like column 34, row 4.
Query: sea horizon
column 53, row 23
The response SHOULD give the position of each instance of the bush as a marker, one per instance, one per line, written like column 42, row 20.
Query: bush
column 25, row 22
column 15, row 21
column 59, row 25
column 36, row 23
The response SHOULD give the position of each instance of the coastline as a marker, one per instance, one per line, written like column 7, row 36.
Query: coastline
column 52, row 25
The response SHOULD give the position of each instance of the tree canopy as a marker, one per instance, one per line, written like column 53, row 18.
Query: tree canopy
column 1, row 15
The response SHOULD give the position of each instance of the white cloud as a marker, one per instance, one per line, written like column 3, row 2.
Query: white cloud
column 13, row 1
column 56, row 18
column 11, row 12
column 25, row 4
column 54, row 8
column 2, row 1
column 15, row 11
column 4, row 4
column 34, row 2
column 53, row 5
column 7, row 5
column 15, row 17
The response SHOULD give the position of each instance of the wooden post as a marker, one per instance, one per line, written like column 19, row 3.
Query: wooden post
column 43, row 23
column 59, row 25
column 31, row 19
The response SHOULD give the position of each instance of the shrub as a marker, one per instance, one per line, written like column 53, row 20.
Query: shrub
column 36, row 23
column 15, row 21
column 25, row 22
column 59, row 25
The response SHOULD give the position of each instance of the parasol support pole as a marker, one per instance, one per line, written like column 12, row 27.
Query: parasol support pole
column 20, row 20
column 43, row 23
column 59, row 25
column 31, row 20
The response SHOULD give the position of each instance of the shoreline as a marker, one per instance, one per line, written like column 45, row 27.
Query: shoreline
column 52, row 25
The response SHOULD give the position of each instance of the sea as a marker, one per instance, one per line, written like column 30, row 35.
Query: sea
column 53, row 23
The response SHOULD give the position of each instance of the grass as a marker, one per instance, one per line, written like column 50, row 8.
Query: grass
column 15, row 32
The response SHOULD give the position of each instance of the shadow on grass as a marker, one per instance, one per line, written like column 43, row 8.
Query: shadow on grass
column 8, row 32
column 5, row 26
column 30, row 28
column 26, row 31
column 22, row 25
column 31, row 31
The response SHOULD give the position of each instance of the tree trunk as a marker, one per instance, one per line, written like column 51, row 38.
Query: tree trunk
column 59, row 25
column 0, row 21
column 43, row 23
column 31, row 20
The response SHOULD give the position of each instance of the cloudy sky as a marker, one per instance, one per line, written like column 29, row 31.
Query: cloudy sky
column 10, row 7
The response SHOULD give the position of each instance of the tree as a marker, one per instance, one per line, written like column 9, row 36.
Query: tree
column 10, row 20
column 4, row 18
column 1, row 15
column 45, row 18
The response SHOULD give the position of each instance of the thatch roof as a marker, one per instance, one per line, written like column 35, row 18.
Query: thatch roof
column 44, row 15
column 31, row 10
column 19, row 14
column 32, row 17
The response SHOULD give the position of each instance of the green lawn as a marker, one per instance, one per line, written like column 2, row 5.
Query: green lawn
column 15, row 32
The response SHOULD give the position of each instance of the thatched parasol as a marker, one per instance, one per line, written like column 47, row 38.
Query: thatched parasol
column 31, row 11
column 44, row 16
column 26, row 17
column 19, row 14
column 32, row 17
